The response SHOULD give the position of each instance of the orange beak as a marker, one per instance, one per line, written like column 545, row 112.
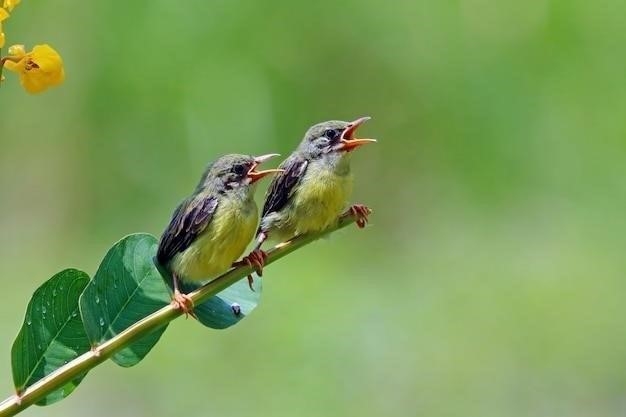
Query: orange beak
column 348, row 142
column 257, row 175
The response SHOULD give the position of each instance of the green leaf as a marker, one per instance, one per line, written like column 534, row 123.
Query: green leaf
column 126, row 288
column 230, row 306
column 52, row 333
column 227, row 307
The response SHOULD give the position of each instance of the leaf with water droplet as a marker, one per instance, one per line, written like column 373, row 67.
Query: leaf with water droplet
column 45, row 343
column 140, row 292
column 218, row 312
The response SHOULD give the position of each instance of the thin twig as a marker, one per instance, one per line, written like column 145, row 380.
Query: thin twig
column 2, row 61
column 34, row 393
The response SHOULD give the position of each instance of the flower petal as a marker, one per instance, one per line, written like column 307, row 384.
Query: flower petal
column 17, row 51
column 3, row 16
column 39, row 69
column 10, row 4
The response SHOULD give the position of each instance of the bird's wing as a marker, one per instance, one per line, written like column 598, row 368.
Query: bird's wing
column 189, row 220
column 284, row 184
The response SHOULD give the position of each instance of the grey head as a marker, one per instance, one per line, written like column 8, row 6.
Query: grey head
column 234, row 172
column 332, row 139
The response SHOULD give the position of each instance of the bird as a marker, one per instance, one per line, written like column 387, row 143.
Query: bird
column 212, row 227
column 315, row 185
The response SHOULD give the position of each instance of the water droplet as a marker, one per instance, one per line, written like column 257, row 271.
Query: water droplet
column 43, row 310
column 39, row 347
column 114, row 283
column 54, row 292
column 74, row 313
column 97, row 299
column 29, row 322
column 236, row 308
column 101, row 321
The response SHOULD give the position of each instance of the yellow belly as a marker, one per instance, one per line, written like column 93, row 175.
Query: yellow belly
column 318, row 202
column 222, row 242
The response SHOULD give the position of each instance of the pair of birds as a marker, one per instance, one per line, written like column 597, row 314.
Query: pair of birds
column 211, row 228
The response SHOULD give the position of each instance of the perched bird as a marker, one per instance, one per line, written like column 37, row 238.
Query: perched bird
column 316, row 183
column 211, row 228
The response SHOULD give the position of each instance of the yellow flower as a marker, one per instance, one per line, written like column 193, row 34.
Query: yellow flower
column 3, row 15
column 39, row 69
column 17, row 51
column 10, row 4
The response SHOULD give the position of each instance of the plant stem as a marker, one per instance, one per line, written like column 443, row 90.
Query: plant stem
column 16, row 403
column 2, row 61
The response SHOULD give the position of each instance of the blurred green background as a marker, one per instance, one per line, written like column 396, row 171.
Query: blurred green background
column 492, row 280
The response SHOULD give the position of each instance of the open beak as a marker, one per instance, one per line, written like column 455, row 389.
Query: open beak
column 255, row 175
column 348, row 141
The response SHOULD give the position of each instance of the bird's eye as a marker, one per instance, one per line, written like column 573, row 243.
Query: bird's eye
column 239, row 169
column 331, row 134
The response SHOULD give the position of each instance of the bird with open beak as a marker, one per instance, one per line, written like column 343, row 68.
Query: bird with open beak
column 315, row 185
column 212, row 227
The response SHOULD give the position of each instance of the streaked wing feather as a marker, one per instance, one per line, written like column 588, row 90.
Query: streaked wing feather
column 190, row 219
column 283, row 185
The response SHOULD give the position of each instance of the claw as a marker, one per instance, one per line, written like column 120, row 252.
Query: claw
column 360, row 212
column 183, row 302
column 255, row 260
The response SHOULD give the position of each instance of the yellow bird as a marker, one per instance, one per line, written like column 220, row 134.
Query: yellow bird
column 211, row 228
column 316, row 183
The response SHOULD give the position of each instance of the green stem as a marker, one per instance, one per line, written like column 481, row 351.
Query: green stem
column 2, row 61
column 16, row 403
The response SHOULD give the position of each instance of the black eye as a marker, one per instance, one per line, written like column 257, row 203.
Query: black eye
column 239, row 169
column 331, row 134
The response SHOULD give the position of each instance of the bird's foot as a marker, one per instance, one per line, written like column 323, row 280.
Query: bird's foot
column 183, row 302
column 255, row 260
column 360, row 212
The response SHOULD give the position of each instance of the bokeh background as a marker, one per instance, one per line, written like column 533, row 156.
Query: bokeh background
column 492, row 280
